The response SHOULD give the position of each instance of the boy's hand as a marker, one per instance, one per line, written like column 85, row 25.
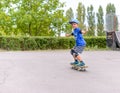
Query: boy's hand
column 67, row 35
column 83, row 32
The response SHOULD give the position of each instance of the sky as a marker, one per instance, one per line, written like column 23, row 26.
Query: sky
column 96, row 3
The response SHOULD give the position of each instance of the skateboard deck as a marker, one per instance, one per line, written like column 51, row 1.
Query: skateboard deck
column 79, row 68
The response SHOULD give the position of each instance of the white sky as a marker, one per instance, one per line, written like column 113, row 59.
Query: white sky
column 95, row 3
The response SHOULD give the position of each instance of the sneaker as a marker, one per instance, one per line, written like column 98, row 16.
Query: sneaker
column 81, row 64
column 74, row 63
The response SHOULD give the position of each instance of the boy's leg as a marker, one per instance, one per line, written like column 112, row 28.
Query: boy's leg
column 79, row 50
column 73, row 53
column 79, row 58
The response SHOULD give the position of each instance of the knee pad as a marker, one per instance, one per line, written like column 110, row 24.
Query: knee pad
column 74, row 53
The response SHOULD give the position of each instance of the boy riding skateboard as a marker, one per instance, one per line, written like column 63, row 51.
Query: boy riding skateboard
column 80, row 43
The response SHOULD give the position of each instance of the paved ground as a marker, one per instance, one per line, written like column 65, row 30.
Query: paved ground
column 50, row 72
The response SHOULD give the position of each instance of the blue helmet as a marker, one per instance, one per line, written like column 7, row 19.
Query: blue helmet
column 74, row 21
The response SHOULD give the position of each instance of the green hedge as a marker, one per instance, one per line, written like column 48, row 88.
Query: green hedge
column 42, row 43
column 93, row 42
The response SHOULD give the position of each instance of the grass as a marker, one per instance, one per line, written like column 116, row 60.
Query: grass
column 86, row 49
column 96, row 49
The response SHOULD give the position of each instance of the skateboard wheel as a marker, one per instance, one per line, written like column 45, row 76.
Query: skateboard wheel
column 72, row 67
column 76, row 68
column 84, row 69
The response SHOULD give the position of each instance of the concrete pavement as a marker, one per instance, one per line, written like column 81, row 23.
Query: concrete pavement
column 50, row 72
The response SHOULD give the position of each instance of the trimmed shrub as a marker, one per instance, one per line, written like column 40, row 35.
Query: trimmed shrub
column 30, row 44
column 10, row 43
column 99, row 42
column 42, row 43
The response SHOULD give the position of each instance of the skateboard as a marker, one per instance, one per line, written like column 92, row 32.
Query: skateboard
column 79, row 68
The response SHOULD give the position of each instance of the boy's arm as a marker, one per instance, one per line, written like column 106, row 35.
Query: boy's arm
column 67, row 35
column 84, row 31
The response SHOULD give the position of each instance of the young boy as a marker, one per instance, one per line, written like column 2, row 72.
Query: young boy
column 80, row 43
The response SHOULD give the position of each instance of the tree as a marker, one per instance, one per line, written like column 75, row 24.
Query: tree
column 33, row 17
column 5, row 25
column 5, row 19
column 91, row 20
column 69, row 16
column 59, row 23
column 38, row 16
column 111, row 20
column 110, row 8
column 100, row 22
column 81, row 15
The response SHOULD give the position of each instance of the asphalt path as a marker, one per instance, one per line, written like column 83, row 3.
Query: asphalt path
column 50, row 72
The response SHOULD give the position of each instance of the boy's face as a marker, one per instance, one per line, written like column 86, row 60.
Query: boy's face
column 74, row 25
